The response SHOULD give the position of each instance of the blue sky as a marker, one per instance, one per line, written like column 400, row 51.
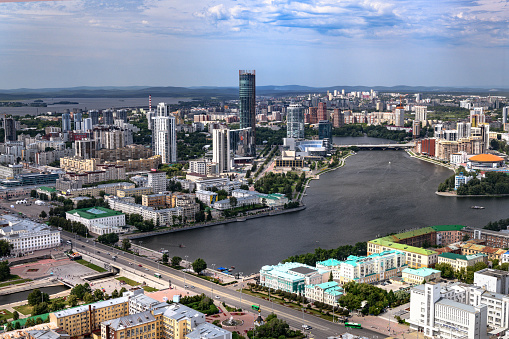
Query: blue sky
column 206, row 42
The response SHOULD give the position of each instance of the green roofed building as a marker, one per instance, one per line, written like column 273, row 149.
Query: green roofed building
column 458, row 261
column 98, row 220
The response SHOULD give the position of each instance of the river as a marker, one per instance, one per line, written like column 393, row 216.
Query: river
column 376, row 192
column 20, row 296
column 86, row 104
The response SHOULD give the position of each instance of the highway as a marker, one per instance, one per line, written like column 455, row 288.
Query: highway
column 320, row 328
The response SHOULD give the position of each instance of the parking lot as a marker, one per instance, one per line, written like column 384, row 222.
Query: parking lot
column 29, row 209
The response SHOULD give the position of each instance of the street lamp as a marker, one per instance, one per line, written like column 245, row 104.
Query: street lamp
column 212, row 282
column 241, row 282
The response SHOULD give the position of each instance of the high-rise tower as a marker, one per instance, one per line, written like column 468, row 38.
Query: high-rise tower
column 247, row 101
column 295, row 121
column 10, row 129
column 165, row 134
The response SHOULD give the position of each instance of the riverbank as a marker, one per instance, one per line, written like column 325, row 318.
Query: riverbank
column 215, row 223
column 453, row 194
column 432, row 161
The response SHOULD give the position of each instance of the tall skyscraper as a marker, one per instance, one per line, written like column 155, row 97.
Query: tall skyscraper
column 10, row 129
column 66, row 121
column 87, row 124
column 338, row 118
column 505, row 110
column 295, row 121
column 421, row 114
column 121, row 114
column 247, row 101
column 321, row 113
column 221, row 149
column 164, row 135
column 94, row 115
column 108, row 117
column 324, row 130
column 78, row 120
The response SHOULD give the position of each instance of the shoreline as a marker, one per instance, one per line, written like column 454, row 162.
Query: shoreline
column 454, row 195
column 431, row 161
column 221, row 222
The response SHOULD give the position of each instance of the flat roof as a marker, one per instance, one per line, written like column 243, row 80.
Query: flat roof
column 95, row 212
column 442, row 228
column 421, row 272
column 402, row 247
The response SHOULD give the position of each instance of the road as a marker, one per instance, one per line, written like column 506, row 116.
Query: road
column 320, row 328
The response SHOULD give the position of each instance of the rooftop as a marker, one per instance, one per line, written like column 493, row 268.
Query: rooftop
column 329, row 262
column 442, row 228
column 402, row 247
column 486, row 158
column 130, row 320
column 455, row 304
column 421, row 272
column 95, row 212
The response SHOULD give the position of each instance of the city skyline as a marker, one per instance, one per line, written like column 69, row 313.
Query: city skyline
column 50, row 44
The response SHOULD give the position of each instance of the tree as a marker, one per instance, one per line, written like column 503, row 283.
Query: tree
column 40, row 308
column 126, row 244
column 43, row 215
column 114, row 294
column 175, row 261
column 5, row 248
column 33, row 194
column 233, row 202
column 15, row 315
column 102, row 194
column 72, row 300
column 88, row 298
column 199, row 265
column 165, row 258
column 37, row 297
column 98, row 294
column 331, row 277
column 110, row 238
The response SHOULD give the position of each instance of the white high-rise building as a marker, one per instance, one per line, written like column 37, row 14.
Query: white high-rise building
column 421, row 113
column 464, row 129
column 165, row 134
column 399, row 117
column 221, row 149
column 505, row 110
column 87, row 124
column 295, row 122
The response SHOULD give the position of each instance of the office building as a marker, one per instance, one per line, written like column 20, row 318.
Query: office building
column 324, row 130
column 26, row 236
column 165, row 134
column 10, row 129
column 157, row 181
column 241, row 144
column 292, row 277
column 221, row 154
column 459, row 261
column 418, row 276
column 327, row 293
column 373, row 268
column 66, row 121
column 496, row 281
column 437, row 316
column 295, row 121
column 247, row 101
column 98, row 220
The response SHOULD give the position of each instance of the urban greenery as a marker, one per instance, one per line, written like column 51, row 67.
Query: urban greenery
column 192, row 145
column 377, row 299
column 463, row 275
column 69, row 226
column 199, row 265
column 497, row 225
column 200, row 303
column 274, row 328
column 5, row 248
column 340, row 253
column 374, row 131
column 108, row 239
column 492, row 183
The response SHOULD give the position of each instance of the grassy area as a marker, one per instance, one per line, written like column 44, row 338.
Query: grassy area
column 24, row 309
column 14, row 282
column 150, row 289
column 128, row 281
column 4, row 316
column 90, row 265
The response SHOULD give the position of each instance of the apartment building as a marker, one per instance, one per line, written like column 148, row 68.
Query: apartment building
column 415, row 257
column 491, row 252
column 110, row 189
column 490, row 238
column 332, row 265
column 292, row 277
column 133, row 326
column 131, row 192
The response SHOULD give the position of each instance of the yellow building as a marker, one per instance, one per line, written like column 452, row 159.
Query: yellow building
column 146, row 324
column 459, row 261
column 416, row 257
column 131, row 192
column 135, row 165
column 73, row 164
column 154, row 200
column 492, row 252
column 82, row 320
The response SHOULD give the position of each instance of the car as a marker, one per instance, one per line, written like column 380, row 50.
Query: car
column 146, row 269
column 82, row 245
column 140, row 265
column 192, row 286
column 218, row 297
column 306, row 327
column 185, row 286
column 98, row 252
column 130, row 263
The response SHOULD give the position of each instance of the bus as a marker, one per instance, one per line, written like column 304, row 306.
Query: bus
column 255, row 307
column 157, row 275
column 353, row 325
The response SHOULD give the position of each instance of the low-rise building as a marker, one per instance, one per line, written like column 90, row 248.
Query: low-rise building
column 459, row 261
column 504, row 258
column 98, row 220
column 292, row 277
column 491, row 252
column 373, row 268
column 415, row 257
column 207, row 197
column 332, row 265
column 27, row 236
column 132, row 326
column 327, row 293
column 418, row 276
column 131, row 192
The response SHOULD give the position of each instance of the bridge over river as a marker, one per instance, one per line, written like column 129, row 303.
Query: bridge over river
column 396, row 147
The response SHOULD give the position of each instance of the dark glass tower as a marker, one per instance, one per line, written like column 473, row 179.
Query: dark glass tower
column 247, row 105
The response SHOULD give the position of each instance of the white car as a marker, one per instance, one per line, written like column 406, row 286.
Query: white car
column 306, row 327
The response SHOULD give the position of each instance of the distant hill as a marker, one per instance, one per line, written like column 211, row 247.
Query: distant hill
column 219, row 92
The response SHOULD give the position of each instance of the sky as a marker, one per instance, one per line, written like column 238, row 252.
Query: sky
column 52, row 44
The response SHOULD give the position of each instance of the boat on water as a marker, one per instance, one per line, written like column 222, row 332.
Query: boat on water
column 182, row 246
column 477, row 207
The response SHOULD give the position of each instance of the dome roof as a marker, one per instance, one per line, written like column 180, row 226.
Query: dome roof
column 486, row 158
